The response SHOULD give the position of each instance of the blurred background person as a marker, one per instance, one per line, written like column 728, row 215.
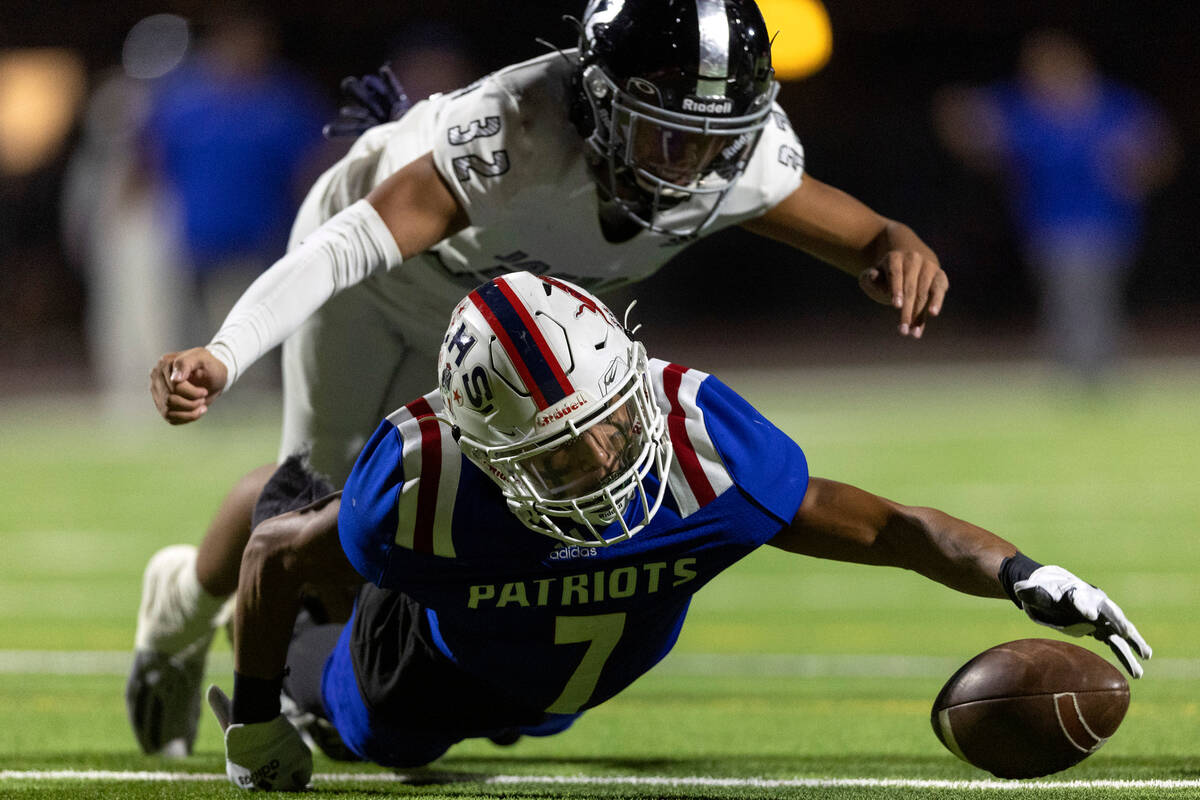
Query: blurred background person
column 116, row 221
column 429, row 57
column 1080, row 154
column 881, row 146
column 234, row 134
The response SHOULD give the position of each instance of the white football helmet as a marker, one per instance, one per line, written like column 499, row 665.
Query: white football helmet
column 551, row 398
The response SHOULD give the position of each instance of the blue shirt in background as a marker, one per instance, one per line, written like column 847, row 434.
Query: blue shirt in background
column 231, row 150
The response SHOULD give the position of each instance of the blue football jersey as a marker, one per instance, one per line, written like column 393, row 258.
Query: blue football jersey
column 562, row 627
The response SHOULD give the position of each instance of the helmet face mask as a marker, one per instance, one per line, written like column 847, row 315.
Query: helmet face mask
column 571, row 464
column 574, row 485
column 663, row 131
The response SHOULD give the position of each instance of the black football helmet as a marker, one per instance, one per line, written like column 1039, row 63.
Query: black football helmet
column 672, row 97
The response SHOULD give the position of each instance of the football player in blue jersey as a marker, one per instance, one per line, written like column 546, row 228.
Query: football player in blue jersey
column 598, row 163
column 527, row 537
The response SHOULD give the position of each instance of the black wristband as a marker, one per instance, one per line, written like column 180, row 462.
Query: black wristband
column 255, row 699
column 1016, row 567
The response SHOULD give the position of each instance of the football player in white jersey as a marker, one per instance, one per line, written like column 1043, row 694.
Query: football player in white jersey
column 598, row 164
column 559, row 492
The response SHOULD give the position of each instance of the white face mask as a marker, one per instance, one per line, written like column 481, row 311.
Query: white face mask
column 552, row 401
column 577, row 486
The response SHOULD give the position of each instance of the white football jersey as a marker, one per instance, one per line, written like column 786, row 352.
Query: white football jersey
column 515, row 162
column 508, row 151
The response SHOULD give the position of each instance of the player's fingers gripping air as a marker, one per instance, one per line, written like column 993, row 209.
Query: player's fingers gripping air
column 922, row 287
column 894, row 269
column 912, row 276
column 902, row 272
column 931, row 291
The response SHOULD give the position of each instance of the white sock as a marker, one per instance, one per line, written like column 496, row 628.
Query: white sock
column 195, row 596
column 176, row 612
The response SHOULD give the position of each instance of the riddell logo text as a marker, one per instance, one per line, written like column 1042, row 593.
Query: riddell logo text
column 561, row 412
column 712, row 107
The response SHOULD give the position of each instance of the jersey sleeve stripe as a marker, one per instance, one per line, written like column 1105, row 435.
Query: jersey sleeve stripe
column 421, row 407
column 523, row 342
column 447, row 494
column 427, row 492
column 426, row 500
column 685, row 453
column 412, row 455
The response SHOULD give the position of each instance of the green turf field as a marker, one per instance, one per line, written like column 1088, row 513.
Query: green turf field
column 793, row 677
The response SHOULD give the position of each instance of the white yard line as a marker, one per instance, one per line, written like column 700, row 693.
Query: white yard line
column 84, row 662
column 115, row 662
column 621, row 780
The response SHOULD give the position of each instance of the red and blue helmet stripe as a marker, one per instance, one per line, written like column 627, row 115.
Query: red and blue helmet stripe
column 522, row 340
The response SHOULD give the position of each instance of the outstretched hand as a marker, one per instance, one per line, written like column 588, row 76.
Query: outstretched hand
column 1054, row 597
column 911, row 282
column 185, row 384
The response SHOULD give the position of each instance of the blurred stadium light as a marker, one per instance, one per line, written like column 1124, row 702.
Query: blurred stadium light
column 40, row 93
column 803, row 41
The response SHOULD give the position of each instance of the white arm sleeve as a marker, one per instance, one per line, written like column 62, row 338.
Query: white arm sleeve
column 350, row 246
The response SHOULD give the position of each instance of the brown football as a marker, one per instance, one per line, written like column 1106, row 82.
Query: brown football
column 1030, row 707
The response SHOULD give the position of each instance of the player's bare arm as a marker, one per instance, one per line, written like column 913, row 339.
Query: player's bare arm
column 285, row 553
column 893, row 266
column 418, row 211
column 263, row 750
column 844, row 523
column 418, row 207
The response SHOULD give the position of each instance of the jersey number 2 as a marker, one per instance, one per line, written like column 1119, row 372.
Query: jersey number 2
column 464, row 165
column 601, row 632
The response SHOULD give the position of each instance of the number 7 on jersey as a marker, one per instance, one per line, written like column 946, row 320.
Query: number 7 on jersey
column 602, row 632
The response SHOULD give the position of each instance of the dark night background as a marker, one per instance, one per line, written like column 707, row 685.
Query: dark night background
column 864, row 121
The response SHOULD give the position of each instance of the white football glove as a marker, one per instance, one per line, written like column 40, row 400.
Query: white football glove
column 1053, row 597
column 269, row 756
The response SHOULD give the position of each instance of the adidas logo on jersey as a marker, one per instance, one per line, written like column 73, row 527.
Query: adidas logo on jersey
column 708, row 106
column 567, row 552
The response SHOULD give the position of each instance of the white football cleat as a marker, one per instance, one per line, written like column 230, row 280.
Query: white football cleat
column 175, row 627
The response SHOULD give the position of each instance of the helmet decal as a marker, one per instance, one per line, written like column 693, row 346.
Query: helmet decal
column 714, row 49
column 586, row 303
column 522, row 340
